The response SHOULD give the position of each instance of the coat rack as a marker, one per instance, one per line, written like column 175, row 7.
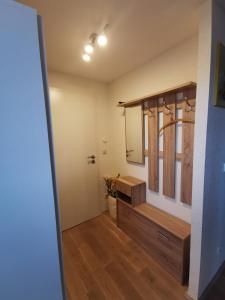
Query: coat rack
column 174, row 122
column 168, row 102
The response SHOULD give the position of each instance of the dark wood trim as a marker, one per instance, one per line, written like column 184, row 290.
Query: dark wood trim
column 212, row 283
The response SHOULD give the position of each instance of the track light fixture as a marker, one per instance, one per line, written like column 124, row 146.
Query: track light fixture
column 86, row 57
column 89, row 48
column 101, row 39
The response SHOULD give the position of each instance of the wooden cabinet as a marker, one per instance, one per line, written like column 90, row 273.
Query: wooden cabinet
column 164, row 237
column 131, row 190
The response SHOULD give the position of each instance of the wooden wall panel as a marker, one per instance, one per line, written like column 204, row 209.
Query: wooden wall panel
column 187, row 150
column 153, row 151
column 178, row 98
column 169, row 147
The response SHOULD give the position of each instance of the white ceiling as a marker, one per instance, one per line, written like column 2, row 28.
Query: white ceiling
column 139, row 30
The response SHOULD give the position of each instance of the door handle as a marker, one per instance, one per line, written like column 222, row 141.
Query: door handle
column 163, row 236
column 128, row 151
column 91, row 157
column 91, row 161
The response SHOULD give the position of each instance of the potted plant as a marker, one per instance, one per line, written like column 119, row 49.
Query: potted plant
column 111, row 194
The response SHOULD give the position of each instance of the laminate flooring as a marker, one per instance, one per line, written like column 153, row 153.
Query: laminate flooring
column 102, row 262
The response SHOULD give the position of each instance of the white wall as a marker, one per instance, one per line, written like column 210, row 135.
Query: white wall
column 204, row 56
column 176, row 66
column 208, row 223
column 70, row 97
column 29, row 260
column 213, row 232
column 213, row 236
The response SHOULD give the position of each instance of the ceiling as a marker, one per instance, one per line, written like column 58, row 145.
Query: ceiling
column 138, row 31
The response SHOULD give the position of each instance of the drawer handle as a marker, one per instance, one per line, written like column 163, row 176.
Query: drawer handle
column 163, row 236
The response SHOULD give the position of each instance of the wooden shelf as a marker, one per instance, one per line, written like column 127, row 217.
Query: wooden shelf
column 130, row 189
column 175, row 89
column 174, row 225
column 131, row 181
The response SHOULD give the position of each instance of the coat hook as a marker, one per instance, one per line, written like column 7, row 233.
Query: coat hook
column 189, row 106
column 169, row 110
column 151, row 112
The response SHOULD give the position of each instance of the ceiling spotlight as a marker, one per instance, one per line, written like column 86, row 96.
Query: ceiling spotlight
column 86, row 57
column 102, row 40
column 89, row 48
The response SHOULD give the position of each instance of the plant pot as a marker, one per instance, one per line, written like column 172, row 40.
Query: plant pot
column 112, row 206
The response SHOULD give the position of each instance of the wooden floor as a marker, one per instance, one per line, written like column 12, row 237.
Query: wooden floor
column 102, row 262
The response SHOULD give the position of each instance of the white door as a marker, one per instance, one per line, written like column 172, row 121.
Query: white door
column 74, row 132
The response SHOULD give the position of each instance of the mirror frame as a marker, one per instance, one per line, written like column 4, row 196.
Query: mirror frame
column 142, row 162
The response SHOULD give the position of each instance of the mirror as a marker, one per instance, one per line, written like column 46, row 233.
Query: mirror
column 134, row 134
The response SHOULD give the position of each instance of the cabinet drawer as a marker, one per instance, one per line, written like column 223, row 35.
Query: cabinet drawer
column 123, row 188
column 165, row 239
column 173, row 264
column 165, row 248
column 123, row 210
column 161, row 236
